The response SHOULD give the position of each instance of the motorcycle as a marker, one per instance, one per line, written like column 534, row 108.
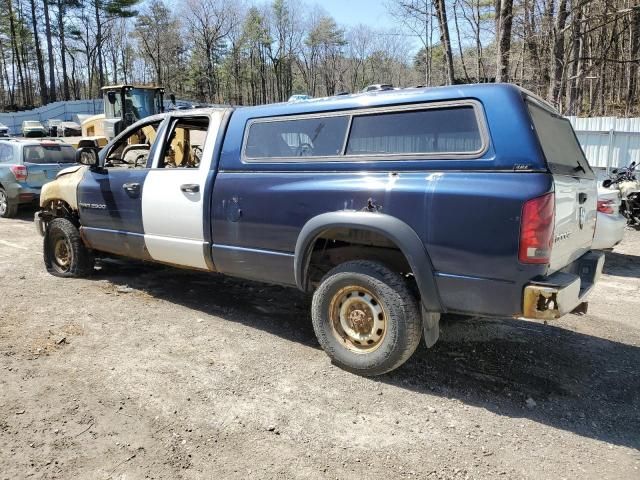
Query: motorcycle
column 624, row 179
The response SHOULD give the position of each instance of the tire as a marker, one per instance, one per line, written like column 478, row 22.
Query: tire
column 8, row 208
column 346, row 313
column 64, row 253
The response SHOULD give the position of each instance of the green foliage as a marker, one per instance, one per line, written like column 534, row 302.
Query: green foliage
column 255, row 31
column 326, row 34
column 119, row 8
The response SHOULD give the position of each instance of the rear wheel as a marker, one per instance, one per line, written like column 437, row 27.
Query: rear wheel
column 8, row 208
column 366, row 318
column 64, row 253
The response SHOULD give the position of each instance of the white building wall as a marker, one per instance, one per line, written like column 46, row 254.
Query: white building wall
column 66, row 111
column 609, row 141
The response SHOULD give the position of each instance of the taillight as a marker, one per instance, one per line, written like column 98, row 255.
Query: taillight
column 536, row 229
column 20, row 172
column 606, row 206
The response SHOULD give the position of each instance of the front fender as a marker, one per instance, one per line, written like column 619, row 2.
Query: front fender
column 64, row 187
column 401, row 234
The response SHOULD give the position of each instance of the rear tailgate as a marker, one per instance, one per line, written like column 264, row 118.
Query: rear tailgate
column 45, row 160
column 39, row 174
column 576, row 192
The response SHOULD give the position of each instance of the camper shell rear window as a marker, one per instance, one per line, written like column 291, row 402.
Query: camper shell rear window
column 559, row 143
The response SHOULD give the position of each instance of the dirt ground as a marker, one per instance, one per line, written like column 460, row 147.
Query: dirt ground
column 152, row 372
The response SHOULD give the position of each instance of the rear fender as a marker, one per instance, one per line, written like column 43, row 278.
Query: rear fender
column 401, row 234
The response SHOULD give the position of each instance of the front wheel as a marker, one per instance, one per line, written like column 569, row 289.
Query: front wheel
column 366, row 318
column 64, row 253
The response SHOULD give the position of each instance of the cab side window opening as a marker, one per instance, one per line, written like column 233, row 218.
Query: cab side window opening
column 132, row 151
column 185, row 143
column 306, row 137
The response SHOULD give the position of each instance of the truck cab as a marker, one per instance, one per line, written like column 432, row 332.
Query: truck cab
column 389, row 208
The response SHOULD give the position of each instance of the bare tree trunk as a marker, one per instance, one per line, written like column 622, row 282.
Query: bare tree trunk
column 480, row 71
column 464, row 66
column 63, row 49
column 99, row 40
column 52, row 72
column 634, row 29
column 505, row 21
column 16, row 50
column 42, row 81
column 557, row 57
column 5, row 76
column 575, row 77
column 441, row 12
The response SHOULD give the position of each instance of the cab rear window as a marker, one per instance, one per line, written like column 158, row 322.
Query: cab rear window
column 303, row 137
column 49, row 154
column 559, row 143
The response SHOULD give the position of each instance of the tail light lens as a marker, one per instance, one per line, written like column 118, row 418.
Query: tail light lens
column 20, row 172
column 536, row 229
column 606, row 206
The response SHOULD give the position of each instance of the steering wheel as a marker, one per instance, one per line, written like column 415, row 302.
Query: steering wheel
column 304, row 150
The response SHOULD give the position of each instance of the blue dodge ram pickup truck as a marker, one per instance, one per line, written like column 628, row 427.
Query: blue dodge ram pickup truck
column 391, row 208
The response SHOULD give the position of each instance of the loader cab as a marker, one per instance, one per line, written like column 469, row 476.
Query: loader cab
column 124, row 105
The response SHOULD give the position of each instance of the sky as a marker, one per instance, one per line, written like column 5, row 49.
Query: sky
column 352, row 12
column 372, row 13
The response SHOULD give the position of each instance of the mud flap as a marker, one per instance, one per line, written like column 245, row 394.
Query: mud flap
column 430, row 327
column 581, row 309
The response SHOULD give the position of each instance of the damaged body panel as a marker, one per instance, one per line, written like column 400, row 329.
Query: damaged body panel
column 564, row 291
column 59, row 198
column 64, row 187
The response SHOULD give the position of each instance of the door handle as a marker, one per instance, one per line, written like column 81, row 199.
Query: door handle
column 131, row 187
column 582, row 197
column 190, row 187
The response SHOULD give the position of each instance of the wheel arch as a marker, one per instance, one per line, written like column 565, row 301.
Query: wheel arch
column 58, row 207
column 392, row 228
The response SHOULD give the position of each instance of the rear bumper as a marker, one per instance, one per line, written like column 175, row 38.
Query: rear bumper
column 562, row 291
column 21, row 193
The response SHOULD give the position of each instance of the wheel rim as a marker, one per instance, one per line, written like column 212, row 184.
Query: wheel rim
column 3, row 203
column 358, row 319
column 62, row 253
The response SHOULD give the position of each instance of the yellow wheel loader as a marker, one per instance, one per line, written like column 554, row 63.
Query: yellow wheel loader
column 123, row 106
